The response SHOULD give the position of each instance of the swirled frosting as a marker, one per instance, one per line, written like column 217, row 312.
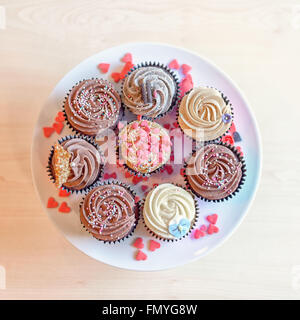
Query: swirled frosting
column 214, row 172
column 149, row 91
column 85, row 163
column 92, row 106
column 109, row 212
column 165, row 206
column 144, row 145
column 204, row 115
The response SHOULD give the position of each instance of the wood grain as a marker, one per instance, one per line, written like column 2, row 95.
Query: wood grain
column 256, row 42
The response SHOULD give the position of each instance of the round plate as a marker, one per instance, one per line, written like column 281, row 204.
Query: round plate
column 170, row 254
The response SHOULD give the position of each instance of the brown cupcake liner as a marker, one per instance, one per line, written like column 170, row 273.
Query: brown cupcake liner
column 241, row 183
column 226, row 100
column 137, row 209
column 76, row 131
column 192, row 227
column 69, row 137
column 176, row 97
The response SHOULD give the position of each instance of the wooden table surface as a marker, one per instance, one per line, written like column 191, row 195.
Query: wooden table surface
column 256, row 42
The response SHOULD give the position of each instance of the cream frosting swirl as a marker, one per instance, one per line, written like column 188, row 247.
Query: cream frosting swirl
column 214, row 172
column 92, row 106
column 109, row 212
column 149, row 91
column 165, row 206
column 204, row 115
column 85, row 163
column 144, row 145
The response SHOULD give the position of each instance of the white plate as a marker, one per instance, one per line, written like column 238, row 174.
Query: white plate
column 169, row 255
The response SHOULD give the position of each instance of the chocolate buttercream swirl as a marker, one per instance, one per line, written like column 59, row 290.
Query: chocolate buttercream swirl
column 85, row 163
column 149, row 91
column 109, row 212
column 204, row 115
column 92, row 106
column 214, row 172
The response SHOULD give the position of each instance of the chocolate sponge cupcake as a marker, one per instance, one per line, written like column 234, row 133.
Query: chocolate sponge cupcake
column 215, row 172
column 92, row 106
column 75, row 163
column 109, row 212
column 150, row 90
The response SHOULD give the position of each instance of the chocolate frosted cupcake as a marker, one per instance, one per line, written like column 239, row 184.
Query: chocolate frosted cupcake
column 150, row 90
column 169, row 212
column 75, row 163
column 215, row 172
column 109, row 212
column 144, row 146
column 92, row 106
column 204, row 114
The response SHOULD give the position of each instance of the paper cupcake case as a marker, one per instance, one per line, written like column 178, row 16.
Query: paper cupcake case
column 69, row 137
column 226, row 100
column 137, row 208
column 176, row 97
column 121, row 111
column 242, row 181
column 192, row 226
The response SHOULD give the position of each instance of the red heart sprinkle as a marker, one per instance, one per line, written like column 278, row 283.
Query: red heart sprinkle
column 115, row 76
column 137, row 179
column 63, row 193
column 128, row 66
column 174, row 64
column 106, row 176
column 239, row 149
column 144, row 188
column 103, row 67
column 228, row 139
column 155, row 185
column 48, row 131
column 136, row 199
column 64, row 208
column 182, row 171
column 153, row 245
column 138, row 243
column 169, row 168
column 175, row 124
column 203, row 227
column 60, row 117
column 145, row 178
column 232, row 128
column 58, row 126
column 52, row 203
column 128, row 174
column 198, row 234
column 185, row 86
column 212, row 218
column 127, row 57
column 167, row 126
column 212, row 229
column 186, row 68
column 140, row 256
column 113, row 175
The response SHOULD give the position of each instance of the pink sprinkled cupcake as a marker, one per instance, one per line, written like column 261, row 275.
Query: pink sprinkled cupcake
column 144, row 146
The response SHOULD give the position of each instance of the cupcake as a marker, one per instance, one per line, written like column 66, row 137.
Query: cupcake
column 92, row 106
column 169, row 212
column 144, row 146
column 109, row 212
column 204, row 114
column 215, row 172
column 75, row 163
column 150, row 90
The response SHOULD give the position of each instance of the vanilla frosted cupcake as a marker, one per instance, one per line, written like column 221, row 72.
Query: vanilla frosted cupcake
column 169, row 211
column 150, row 91
column 144, row 146
column 204, row 115
column 92, row 106
column 75, row 163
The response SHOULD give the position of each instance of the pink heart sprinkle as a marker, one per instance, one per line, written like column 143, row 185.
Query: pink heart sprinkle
column 174, row 64
column 138, row 243
column 212, row 229
column 153, row 245
column 185, row 68
column 212, row 218
column 140, row 256
column 203, row 227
